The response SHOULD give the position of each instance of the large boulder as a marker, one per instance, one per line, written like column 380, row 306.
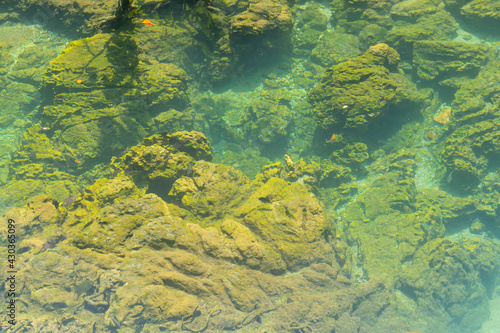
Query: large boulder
column 354, row 94
column 443, row 59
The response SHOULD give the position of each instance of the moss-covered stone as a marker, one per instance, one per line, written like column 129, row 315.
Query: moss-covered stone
column 467, row 153
column 162, row 158
column 32, row 62
column 436, row 25
column 432, row 58
column 352, row 16
column 6, row 57
column 310, row 21
column 335, row 47
column 17, row 100
column 355, row 93
column 384, row 223
column 96, row 96
column 372, row 34
column 444, row 272
column 290, row 218
column 117, row 222
column 481, row 14
column 269, row 118
column 262, row 30
column 471, row 103
column 413, row 9
column 206, row 186
column 39, row 168
column 352, row 154
column 454, row 211
column 306, row 173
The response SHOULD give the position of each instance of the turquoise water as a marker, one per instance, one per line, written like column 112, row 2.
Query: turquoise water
column 263, row 166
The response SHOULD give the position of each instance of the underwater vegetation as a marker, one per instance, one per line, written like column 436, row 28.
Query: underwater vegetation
column 251, row 166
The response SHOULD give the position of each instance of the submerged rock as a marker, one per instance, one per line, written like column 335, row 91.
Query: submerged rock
column 354, row 94
column 443, row 273
column 434, row 59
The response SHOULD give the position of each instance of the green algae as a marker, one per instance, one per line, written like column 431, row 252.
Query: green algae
column 356, row 92
column 444, row 271
column 205, row 234
column 269, row 118
column 334, row 48
column 18, row 100
column 432, row 58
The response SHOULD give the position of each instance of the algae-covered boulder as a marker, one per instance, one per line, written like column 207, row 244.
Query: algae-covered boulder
column 479, row 14
column 269, row 118
column 471, row 149
column 80, row 15
column 432, row 58
column 354, row 94
column 310, row 22
column 479, row 99
column 32, row 62
column 427, row 22
column 443, row 273
column 383, row 221
column 454, row 211
column 18, row 100
column 372, row 34
column 413, row 9
column 305, row 173
column 138, row 261
column 162, row 158
column 468, row 152
column 335, row 47
column 29, row 174
column 207, row 185
column 98, row 99
column 98, row 62
column 262, row 30
column 284, row 216
column 353, row 16
column 289, row 218
column 6, row 58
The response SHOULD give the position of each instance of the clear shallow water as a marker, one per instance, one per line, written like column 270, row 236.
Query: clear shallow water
column 300, row 219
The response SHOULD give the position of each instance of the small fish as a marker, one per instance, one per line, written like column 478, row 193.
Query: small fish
column 79, row 81
column 44, row 128
column 77, row 161
column 148, row 22
column 332, row 138
column 289, row 159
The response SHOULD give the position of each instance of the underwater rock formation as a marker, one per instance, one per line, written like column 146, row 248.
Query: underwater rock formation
column 137, row 261
column 479, row 14
column 354, row 94
column 263, row 29
column 334, row 48
column 472, row 147
column 444, row 59
column 443, row 278
column 269, row 118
